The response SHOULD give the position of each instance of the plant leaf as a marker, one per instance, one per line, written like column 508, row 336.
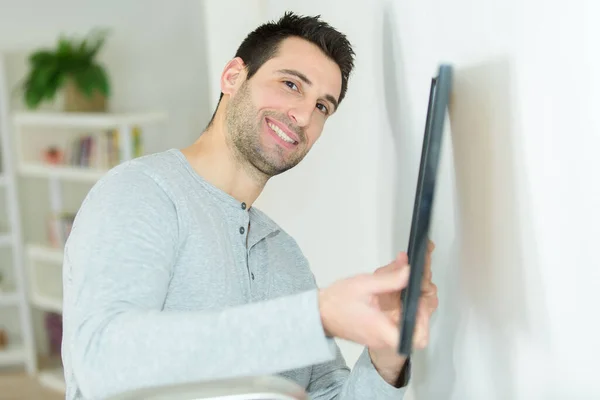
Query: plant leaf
column 64, row 47
column 41, row 57
column 43, row 76
column 73, row 58
column 101, row 81
column 55, row 81
column 33, row 97
column 96, row 40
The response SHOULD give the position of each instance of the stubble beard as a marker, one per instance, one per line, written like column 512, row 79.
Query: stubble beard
column 244, row 127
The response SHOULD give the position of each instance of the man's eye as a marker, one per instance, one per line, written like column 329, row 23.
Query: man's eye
column 323, row 108
column 291, row 85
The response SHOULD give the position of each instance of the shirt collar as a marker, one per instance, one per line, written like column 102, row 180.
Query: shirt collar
column 261, row 225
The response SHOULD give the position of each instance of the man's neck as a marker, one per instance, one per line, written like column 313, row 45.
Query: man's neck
column 214, row 160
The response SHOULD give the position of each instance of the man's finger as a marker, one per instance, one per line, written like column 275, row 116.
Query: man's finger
column 387, row 281
column 427, row 274
column 399, row 262
column 426, row 282
column 387, row 333
column 428, row 289
column 402, row 258
column 421, row 335
column 427, row 270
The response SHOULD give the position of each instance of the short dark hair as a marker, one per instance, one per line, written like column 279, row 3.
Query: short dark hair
column 262, row 44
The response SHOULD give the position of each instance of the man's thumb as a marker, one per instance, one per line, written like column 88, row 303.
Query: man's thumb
column 388, row 281
column 402, row 258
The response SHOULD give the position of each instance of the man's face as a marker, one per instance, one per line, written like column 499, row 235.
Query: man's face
column 274, row 118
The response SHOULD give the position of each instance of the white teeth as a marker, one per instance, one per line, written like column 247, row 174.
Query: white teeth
column 280, row 133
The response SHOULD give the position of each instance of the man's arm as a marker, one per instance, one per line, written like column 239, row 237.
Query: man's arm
column 392, row 367
column 117, row 269
column 333, row 380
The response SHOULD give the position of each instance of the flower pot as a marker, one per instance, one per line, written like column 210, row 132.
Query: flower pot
column 3, row 339
column 77, row 101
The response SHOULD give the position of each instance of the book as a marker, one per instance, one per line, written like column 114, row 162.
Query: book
column 59, row 228
column 95, row 150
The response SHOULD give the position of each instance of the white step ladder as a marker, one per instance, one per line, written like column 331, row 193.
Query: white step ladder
column 20, row 350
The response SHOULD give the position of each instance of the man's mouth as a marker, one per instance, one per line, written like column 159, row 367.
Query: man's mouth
column 280, row 133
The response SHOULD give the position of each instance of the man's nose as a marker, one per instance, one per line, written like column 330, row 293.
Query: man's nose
column 301, row 113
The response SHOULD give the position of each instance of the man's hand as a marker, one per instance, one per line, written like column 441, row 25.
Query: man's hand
column 366, row 309
column 388, row 362
column 350, row 309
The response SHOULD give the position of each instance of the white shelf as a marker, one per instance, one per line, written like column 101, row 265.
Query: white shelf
column 9, row 299
column 12, row 354
column 44, row 254
column 65, row 172
column 53, row 379
column 47, row 303
column 85, row 120
column 40, row 253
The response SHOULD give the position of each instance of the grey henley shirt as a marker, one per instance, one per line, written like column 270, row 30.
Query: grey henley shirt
column 168, row 279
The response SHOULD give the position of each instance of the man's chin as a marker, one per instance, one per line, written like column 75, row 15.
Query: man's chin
column 272, row 161
column 271, row 169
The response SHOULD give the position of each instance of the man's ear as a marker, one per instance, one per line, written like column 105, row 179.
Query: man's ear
column 233, row 75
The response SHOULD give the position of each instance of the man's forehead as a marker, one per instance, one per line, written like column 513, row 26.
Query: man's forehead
column 308, row 60
column 301, row 51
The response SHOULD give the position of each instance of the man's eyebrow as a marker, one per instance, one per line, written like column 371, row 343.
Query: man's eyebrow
column 332, row 100
column 297, row 74
column 305, row 79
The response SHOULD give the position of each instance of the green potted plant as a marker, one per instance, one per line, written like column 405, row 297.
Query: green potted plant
column 73, row 68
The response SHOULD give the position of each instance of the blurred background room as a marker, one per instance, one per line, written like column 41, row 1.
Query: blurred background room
column 516, row 215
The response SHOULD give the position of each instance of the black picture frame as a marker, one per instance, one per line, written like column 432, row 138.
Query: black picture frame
column 439, row 98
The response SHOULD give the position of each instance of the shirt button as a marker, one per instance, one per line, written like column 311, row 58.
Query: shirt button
column 242, row 230
column 252, row 274
column 243, row 206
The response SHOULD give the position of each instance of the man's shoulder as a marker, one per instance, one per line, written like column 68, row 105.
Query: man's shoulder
column 152, row 170
column 156, row 166
column 148, row 179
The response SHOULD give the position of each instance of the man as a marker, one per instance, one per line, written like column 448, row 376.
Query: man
column 171, row 276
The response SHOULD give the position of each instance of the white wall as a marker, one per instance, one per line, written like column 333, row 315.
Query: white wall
column 516, row 211
column 522, row 135
column 226, row 31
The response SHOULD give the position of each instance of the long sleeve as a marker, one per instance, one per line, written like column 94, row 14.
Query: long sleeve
column 333, row 380
column 118, row 265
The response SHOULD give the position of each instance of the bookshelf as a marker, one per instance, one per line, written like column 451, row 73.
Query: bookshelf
column 61, row 172
column 60, row 148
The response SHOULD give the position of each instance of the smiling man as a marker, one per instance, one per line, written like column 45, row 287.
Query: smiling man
column 172, row 276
